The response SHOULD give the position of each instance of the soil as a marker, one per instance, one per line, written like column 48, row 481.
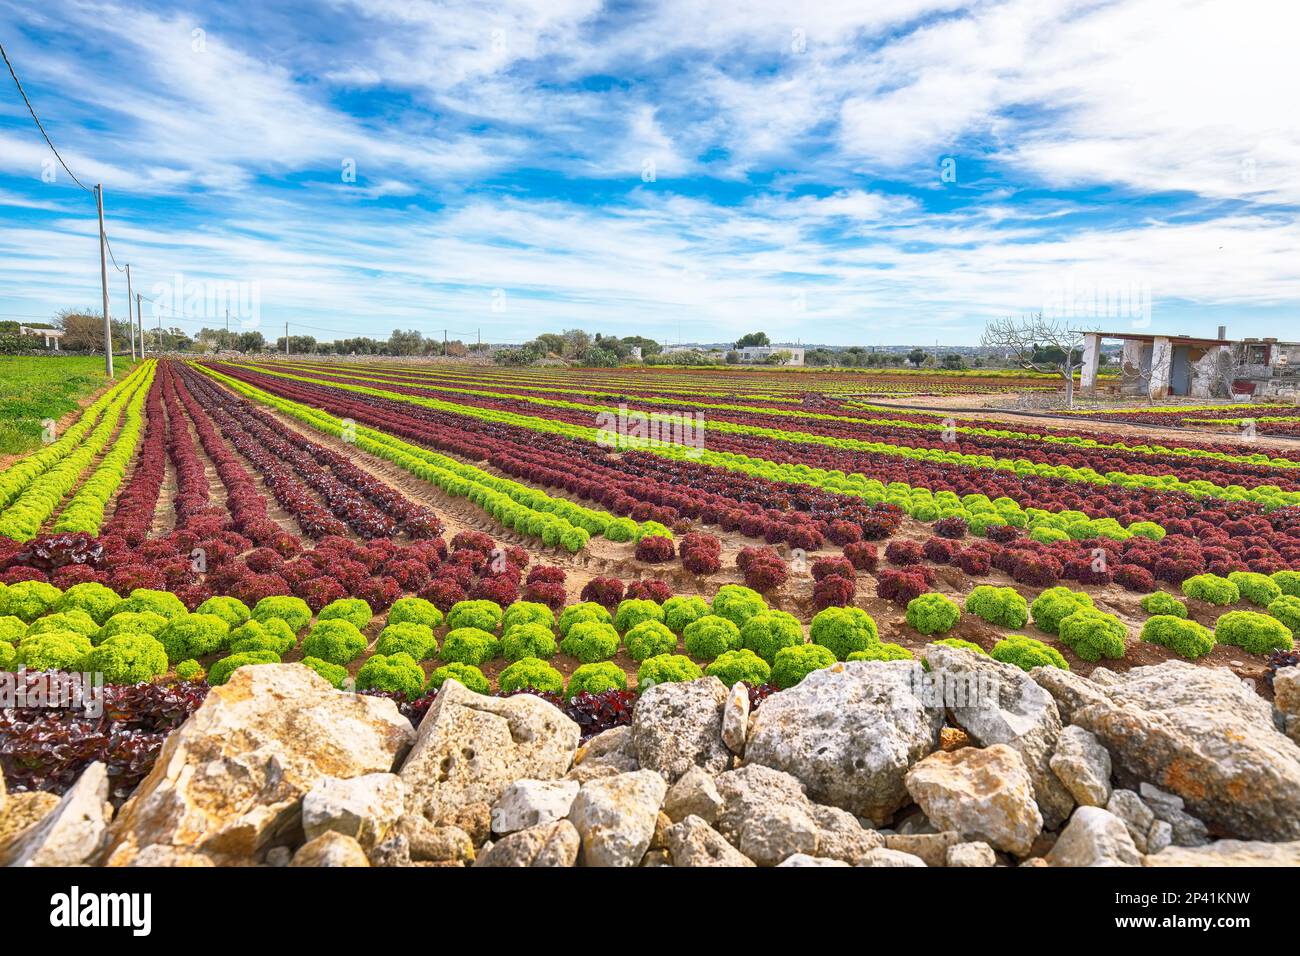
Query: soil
column 985, row 407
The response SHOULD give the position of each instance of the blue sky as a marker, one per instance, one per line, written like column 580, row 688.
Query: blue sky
column 892, row 172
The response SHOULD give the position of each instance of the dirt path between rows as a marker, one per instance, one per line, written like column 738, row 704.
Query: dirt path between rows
column 1028, row 420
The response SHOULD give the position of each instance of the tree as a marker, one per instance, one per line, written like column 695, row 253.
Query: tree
column 575, row 342
column 251, row 341
column 83, row 331
column 1037, row 344
column 953, row 361
column 524, row 355
column 819, row 357
column 550, row 344
column 780, row 357
column 917, row 357
column 298, row 344
column 409, row 342
column 648, row 347
column 596, row 357
column 753, row 340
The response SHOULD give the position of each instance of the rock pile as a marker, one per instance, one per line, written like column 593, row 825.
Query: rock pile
column 972, row 763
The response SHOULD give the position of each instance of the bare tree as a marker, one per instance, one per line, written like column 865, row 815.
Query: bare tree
column 1221, row 370
column 1037, row 344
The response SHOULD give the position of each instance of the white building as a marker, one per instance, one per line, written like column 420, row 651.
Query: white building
column 50, row 335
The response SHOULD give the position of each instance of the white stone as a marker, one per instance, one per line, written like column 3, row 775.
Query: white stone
column 364, row 807
column 532, row 803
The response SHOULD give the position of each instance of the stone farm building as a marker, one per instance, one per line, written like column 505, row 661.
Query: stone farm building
column 1164, row 366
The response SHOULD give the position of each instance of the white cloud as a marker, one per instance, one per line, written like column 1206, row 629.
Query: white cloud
column 821, row 129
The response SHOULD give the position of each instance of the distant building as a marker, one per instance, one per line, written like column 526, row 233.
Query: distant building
column 758, row 355
column 50, row 335
column 1169, row 365
column 1270, row 368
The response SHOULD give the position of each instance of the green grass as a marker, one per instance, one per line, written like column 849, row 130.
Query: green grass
column 36, row 387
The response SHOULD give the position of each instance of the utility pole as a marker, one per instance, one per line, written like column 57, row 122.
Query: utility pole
column 227, row 324
column 444, row 343
column 160, row 338
column 130, row 323
column 286, row 338
column 139, row 322
column 103, row 282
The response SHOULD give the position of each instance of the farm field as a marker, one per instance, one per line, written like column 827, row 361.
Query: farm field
column 588, row 535
column 36, row 388
column 1264, row 418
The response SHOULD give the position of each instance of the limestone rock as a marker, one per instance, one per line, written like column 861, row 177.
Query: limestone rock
column 692, row 842
column 735, row 719
column 1137, row 816
column 595, row 771
column 429, row 843
column 364, row 807
column 1185, row 829
column 164, row 854
column 331, row 848
column 23, row 810
column 982, row 794
column 549, row 845
column 953, row 738
column 659, row 839
column 931, row 847
column 765, row 813
column 531, row 803
column 615, row 817
column 474, row 818
column 471, row 746
column 1286, row 698
column 777, row 831
column 694, row 794
column 1286, row 690
column 999, row 704
column 611, row 749
column 1159, row 836
column 1200, row 734
column 840, row 836
column 395, row 850
column 848, row 733
column 1228, row 853
column 883, row 856
column 971, row 854
column 678, row 725
column 803, row 859
column 1083, row 765
column 73, row 833
column 231, row 778
column 1071, row 692
column 1094, row 837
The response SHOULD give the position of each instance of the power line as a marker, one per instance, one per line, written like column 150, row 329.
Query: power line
column 23, row 93
column 110, row 254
